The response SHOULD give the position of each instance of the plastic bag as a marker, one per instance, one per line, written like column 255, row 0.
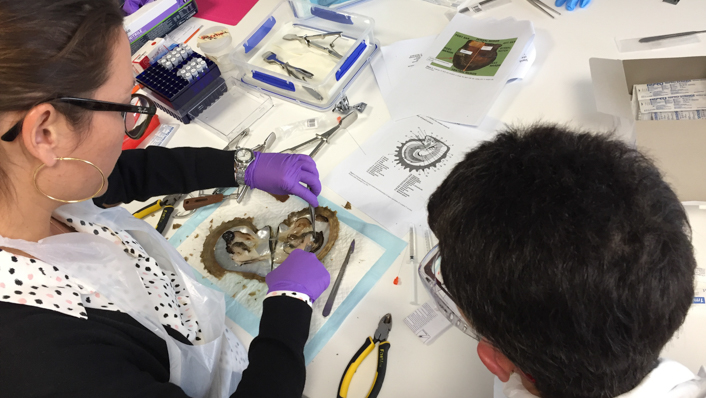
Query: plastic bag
column 200, row 370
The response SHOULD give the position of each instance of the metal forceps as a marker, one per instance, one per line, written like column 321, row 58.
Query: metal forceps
column 543, row 7
column 293, row 71
column 298, row 73
column 306, row 39
column 324, row 138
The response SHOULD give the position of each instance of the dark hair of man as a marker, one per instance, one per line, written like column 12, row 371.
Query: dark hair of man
column 569, row 253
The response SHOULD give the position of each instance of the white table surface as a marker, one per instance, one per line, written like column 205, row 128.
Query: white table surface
column 557, row 89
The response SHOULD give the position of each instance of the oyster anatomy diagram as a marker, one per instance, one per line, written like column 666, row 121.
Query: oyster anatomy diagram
column 421, row 153
column 238, row 246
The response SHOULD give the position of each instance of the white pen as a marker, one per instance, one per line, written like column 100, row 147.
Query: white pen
column 411, row 244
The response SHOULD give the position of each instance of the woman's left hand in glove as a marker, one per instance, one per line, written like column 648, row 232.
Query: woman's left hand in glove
column 282, row 174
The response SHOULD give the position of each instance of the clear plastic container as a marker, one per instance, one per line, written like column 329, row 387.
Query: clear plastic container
column 335, row 3
column 217, row 43
column 235, row 111
column 256, row 68
column 447, row 3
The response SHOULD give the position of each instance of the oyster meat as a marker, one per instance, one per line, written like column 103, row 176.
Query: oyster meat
column 238, row 246
column 295, row 232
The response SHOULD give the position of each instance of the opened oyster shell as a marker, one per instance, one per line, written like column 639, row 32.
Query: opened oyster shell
column 238, row 246
column 295, row 233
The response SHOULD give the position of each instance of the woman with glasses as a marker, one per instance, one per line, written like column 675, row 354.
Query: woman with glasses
column 94, row 302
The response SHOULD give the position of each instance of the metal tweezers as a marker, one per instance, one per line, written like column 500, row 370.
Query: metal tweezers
column 543, row 7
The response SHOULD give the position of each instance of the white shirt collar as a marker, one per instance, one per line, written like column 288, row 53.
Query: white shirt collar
column 663, row 379
column 669, row 379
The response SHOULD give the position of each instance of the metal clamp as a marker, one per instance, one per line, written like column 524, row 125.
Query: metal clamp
column 344, row 107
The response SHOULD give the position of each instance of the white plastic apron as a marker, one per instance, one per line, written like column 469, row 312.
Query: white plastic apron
column 199, row 370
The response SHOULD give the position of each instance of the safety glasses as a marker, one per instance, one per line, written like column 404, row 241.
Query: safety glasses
column 137, row 115
column 430, row 273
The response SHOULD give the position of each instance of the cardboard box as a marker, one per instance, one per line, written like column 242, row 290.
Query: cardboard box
column 157, row 19
column 677, row 146
column 146, row 56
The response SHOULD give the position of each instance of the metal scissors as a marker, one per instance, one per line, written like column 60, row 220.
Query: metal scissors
column 298, row 73
column 293, row 71
column 543, row 7
column 306, row 39
column 324, row 138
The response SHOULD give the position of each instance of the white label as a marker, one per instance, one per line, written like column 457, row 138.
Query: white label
column 476, row 8
column 700, row 291
column 466, row 52
column 427, row 323
column 443, row 63
column 675, row 115
column 486, row 48
column 676, row 103
column 668, row 89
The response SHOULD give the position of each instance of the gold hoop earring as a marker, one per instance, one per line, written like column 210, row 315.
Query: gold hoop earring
column 103, row 181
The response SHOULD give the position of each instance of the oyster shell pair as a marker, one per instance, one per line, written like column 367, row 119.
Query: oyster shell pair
column 238, row 246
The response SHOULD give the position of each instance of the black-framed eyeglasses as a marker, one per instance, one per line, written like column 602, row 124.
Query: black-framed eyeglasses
column 137, row 115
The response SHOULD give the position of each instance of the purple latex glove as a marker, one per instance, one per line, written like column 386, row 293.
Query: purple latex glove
column 281, row 174
column 131, row 6
column 301, row 272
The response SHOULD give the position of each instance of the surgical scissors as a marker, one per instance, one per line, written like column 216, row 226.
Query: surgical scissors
column 299, row 73
column 293, row 71
column 324, row 138
column 543, row 7
column 306, row 39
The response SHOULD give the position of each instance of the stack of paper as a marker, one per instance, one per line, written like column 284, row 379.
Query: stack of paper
column 391, row 177
column 456, row 75
column 453, row 77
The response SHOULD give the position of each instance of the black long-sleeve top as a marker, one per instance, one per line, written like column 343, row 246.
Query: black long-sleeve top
column 144, row 173
column 48, row 354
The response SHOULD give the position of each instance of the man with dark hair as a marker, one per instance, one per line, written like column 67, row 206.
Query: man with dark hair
column 571, row 260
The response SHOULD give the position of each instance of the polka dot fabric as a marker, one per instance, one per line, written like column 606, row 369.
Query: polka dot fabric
column 33, row 282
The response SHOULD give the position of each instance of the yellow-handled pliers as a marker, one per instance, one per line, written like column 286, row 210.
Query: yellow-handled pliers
column 380, row 336
column 165, row 204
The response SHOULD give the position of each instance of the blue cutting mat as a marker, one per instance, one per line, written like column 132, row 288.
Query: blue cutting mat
column 250, row 322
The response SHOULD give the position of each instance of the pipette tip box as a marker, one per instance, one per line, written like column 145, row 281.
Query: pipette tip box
column 178, row 96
